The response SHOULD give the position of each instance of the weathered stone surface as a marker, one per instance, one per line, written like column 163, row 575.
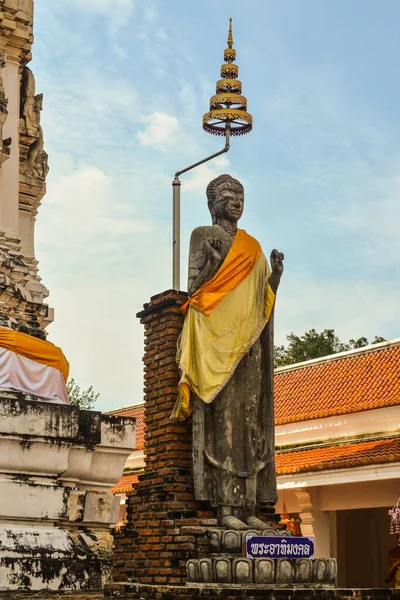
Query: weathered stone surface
column 24, row 497
column 249, row 533
column 242, row 569
column 47, row 453
column 76, row 505
column 101, row 508
column 231, row 541
column 24, row 164
column 52, row 596
column 303, row 572
column 192, row 569
column 39, row 419
column 31, row 557
column 271, row 531
column 206, row 570
column 214, row 540
column 264, row 570
column 284, row 571
column 325, row 570
column 131, row 591
column 223, row 570
column 4, row 151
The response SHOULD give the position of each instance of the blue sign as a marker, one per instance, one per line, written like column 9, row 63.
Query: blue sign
column 279, row 547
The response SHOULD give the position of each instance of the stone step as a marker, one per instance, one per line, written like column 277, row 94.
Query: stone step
column 137, row 591
column 51, row 596
column 232, row 542
column 243, row 571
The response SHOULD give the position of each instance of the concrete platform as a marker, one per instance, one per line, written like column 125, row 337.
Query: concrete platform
column 51, row 596
column 137, row 591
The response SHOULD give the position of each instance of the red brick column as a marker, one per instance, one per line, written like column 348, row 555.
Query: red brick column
column 165, row 523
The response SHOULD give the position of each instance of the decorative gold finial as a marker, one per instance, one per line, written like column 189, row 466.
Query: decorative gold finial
column 230, row 35
column 228, row 107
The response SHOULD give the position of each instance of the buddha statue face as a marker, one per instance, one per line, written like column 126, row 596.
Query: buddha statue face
column 229, row 201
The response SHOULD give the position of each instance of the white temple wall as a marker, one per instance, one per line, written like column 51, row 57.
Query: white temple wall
column 57, row 466
column 367, row 422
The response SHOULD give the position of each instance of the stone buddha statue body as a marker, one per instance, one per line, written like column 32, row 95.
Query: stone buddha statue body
column 233, row 435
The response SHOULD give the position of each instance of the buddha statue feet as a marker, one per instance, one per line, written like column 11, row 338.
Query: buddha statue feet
column 231, row 522
column 238, row 520
column 256, row 523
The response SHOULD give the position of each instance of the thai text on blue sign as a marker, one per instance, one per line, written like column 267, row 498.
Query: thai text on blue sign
column 279, row 547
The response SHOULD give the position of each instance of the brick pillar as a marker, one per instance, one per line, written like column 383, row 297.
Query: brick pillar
column 165, row 523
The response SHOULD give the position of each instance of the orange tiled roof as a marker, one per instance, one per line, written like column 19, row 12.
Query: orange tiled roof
column 339, row 457
column 347, row 383
column 125, row 483
column 139, row 413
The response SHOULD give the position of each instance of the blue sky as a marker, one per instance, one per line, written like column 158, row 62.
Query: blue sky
column 125, row 85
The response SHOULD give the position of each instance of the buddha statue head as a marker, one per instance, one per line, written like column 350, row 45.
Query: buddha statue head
column 225, row 197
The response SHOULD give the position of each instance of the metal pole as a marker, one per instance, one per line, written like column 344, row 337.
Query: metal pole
column 176, row 237
column 176, row 210
column 200, row 162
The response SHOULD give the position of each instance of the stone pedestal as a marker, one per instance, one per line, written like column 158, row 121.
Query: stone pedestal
column 52, row 596
column 166, row 525
column 244, row 592
column 57, row 465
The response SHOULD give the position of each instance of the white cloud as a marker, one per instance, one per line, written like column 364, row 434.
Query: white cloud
column 96, row 326
column 103, row 6
column 160, row 130
column 353, row 308
column 100, row 335
column 91, row 117
column 117, row 12
column 98, row 257
column 150, row 13
column 377, row 222
column 203, row 174
column 82, row 223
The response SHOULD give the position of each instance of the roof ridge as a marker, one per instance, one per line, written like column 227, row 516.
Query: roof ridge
column 339, row 356
column 381, row 436
column 127, row 407
column 337, row 457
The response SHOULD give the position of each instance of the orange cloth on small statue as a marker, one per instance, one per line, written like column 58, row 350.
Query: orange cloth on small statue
column 241, row 258
column 392, row 574
column 35, row 349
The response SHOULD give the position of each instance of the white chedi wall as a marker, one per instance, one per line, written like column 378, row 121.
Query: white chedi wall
column 57, row 465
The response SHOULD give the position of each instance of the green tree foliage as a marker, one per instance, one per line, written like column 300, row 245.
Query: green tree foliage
column 84, row 399
column 314, row 345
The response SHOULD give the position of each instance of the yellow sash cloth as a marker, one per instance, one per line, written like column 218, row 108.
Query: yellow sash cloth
column 224, row 318
column 241, row 258
column 35, row 349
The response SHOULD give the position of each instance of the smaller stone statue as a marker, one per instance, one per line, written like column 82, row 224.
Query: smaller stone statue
column 392, row 573
column 3, row 99
column 31, row 104
column 37, row 163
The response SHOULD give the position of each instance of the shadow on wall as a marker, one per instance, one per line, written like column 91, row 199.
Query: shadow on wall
column 364, row 541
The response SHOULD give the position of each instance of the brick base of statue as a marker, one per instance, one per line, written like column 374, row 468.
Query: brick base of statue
column 166, row 525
